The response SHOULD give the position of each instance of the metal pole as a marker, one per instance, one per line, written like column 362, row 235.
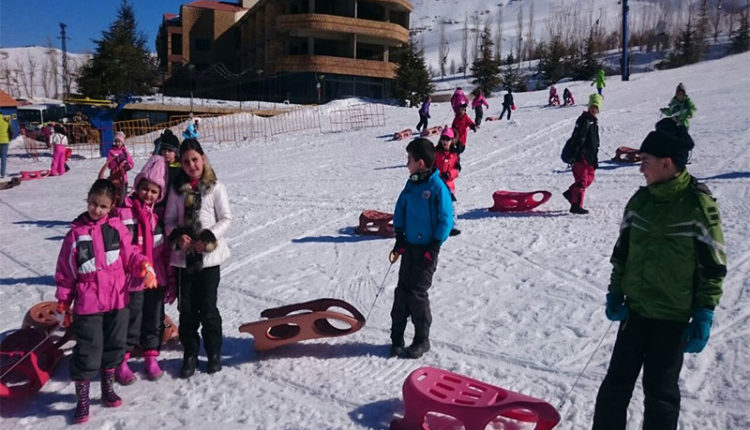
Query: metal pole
column 625, row 56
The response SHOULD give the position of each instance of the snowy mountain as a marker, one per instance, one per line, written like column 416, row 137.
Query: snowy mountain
column 518, row 299
column 36, row 71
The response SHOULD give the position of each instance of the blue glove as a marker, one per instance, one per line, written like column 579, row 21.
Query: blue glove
column 697, row 332
column 616, row 309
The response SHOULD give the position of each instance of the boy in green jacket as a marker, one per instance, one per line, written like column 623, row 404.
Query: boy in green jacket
column 668, row 266
column 680, row 108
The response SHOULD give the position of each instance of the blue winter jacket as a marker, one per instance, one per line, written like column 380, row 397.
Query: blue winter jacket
column 190, row 132
column 424, row 211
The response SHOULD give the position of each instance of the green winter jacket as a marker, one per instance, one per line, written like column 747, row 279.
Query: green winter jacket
column 599, row 80
column 682, row 111
column 6, row 132
column 670, row 256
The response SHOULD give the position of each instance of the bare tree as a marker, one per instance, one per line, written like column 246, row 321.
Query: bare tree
column 477, row 31
column 442, row 49
column 716, row 21
column 499, row 35
column 519, row 33
column 530, row 33
column 453, row 67
column 465, row 46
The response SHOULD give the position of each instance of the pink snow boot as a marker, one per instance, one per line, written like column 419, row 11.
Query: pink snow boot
column 81, row 414
column 124, row 375
column 153, row 371
column 109, row 397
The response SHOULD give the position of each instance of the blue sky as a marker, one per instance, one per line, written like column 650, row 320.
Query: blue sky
column 36, row 22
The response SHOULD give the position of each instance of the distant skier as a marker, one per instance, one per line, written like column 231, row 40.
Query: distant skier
column 457, row 99
column 476, row 104
column 461, row 123
column 599, row 81
column 554, row 98
column 584, row 149
column 424, row 114
column 568, row 98
column 507, row 104
column 680, row 108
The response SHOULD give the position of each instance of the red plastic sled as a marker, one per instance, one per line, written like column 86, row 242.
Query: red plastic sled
column 28, row 357
column 42, row 316
column 33, row 174
column 492, row 118
column 512, row 201
column 475, row 404
column 372, row 222
column 626, row 154
column 432, row 131
column 302, row 321
column 403, row 134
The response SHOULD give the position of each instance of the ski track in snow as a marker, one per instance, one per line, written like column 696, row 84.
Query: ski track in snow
column 517, row 299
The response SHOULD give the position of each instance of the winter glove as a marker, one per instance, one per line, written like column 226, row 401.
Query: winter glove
column 431, row 253
column 616, row 309
column 696, row 334
column 64, row 315
column 148, row 275
column 474, row 128
column 446, row 176
column 665, row 111
column 399, row 248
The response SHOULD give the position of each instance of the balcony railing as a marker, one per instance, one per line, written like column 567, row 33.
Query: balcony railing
column 391, row 32
column 338, row 65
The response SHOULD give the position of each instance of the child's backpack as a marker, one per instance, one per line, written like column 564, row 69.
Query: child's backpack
column 568, row 155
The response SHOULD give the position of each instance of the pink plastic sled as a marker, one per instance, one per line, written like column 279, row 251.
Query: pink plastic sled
column 432, row 131
column 512, row 201
column 27, row 175
column 372, row 222
column 492, row 118
column 403, row 134
column 303, row 321
column 625, row 154
column 475, row 404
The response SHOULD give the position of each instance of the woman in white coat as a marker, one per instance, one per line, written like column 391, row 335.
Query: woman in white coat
column 196, row 220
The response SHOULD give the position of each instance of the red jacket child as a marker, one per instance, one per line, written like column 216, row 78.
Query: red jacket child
column 446, row 159
column 461, row 123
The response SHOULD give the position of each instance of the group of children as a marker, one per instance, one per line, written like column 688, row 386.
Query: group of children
column 125, row 256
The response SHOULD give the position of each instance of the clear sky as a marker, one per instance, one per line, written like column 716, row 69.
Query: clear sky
column 36, row 22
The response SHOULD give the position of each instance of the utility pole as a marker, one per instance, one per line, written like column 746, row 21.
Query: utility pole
column 625, row 56
column 65, row 73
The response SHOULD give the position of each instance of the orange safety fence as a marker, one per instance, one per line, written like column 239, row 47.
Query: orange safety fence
column 356, row 117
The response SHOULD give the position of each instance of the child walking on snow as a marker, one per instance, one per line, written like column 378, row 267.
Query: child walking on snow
column 584, row 148
column 424, row 114
column 95, row 258
column 507, row 104
column 457, row 99
column 599, row 81
column 197, row 219
column 60, row 142
column 461, row 123
column 146, row 306
column 420, row 232
column 118, row 162
column 448, row 165
column 680, row 108
column 476, row 104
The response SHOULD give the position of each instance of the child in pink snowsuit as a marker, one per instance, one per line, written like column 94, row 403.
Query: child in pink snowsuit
column 60, row 142
column 457, row 99
column 95, row 258
column 476, row 104
column 118, row 162
column 146, row 320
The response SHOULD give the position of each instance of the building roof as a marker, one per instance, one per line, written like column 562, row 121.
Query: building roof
column 6, row 100
column 207, row 4
column 168, row 16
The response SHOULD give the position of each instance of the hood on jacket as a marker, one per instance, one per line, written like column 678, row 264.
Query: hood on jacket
column 154, row 171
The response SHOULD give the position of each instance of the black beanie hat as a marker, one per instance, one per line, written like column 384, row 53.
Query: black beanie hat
column 170, row 142
column 669, row 140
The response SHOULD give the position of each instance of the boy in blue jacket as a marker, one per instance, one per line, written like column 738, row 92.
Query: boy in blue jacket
column 422, row 220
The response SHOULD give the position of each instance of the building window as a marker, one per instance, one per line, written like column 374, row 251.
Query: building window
column 176, row 48
column 370, row 11
column 366, row 51
column 297, row 46
column 202, row 44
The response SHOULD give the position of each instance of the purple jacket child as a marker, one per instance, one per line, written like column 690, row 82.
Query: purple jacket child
column 91, row 268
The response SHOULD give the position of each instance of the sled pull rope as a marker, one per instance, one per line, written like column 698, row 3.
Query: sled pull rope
column 25, row 356
column 562, row 402
column 380, row 290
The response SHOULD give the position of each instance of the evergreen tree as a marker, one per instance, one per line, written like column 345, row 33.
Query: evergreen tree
column 486, row 69
column 121, row 63
column 552, row 60
column 586, row 64
column 687, row 50
column 511, row 76
column 412, row 79
column 702, row 30
column 741, row 37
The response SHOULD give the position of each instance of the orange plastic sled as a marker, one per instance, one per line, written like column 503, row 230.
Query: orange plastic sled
column 512, row 201
column 302, row 321
column 626, row 154
column 374, row 222
column 432, row 131
column 403, row 134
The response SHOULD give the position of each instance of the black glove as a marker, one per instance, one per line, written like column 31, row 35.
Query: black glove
column 474, row 128
column 400, row 246
column 446, row 176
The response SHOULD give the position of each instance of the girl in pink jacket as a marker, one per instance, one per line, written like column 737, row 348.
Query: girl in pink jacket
column 118, row 162
column 476, row 104
column 146, row 320
column 95, row 258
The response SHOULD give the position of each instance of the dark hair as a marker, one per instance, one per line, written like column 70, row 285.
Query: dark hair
column 59, row 129
column 422, row 149
column 191, row 144
column 103, row 187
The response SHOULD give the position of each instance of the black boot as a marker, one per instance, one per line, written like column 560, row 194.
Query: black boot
column 214, row 363
column 576, row 209
column 397, row 347
column 418, row 348
column 568, row 196
column 189, row 362
column 454, row 232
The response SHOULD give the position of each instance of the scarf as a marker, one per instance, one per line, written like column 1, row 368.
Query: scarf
column 143, row 215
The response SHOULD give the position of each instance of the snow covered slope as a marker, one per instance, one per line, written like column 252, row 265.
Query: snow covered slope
column 518, row 299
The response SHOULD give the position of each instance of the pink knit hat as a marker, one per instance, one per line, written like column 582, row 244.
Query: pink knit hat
column 154, row 171
column 120, row 136
column 448, row 132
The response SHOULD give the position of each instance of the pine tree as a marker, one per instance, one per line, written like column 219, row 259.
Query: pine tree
column 511, row 76
column 412, row 78
column 121, row 63
column 586, row 64
column 741, row 38
column 486, row 69
column 687, row 50
column 553, row 64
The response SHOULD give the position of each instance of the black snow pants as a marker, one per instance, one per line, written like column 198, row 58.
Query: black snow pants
column 508, row 108
column 655, row 345
column 197, row 304
column 411, row 297
column 478, row 115
column 100, row 343
column 422, row 124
